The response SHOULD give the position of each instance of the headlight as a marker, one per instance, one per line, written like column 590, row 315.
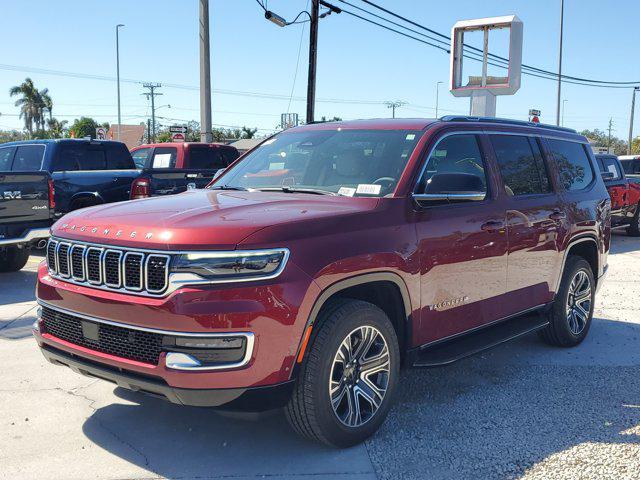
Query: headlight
column 228, row 266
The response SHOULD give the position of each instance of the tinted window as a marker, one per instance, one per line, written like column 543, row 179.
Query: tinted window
column 140, row 157
column 573, row 164
column 609, row 165
column 455, row 165
column 206, row 157
column 164, row 157
column 229, row 155
column 630, row 166
column 81, row 156
column 521, row 165
column 118, row 157
column 6, row 155
column 28, row 158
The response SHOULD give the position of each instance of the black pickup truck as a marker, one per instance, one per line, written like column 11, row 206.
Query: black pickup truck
column 26, row 213
column 92, row 172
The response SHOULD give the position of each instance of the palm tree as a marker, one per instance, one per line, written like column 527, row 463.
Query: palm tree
column 45, row 104
column 57, row 128
column 28, row 103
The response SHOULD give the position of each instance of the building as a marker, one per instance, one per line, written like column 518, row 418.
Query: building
column 131, row 135
column 245, row 144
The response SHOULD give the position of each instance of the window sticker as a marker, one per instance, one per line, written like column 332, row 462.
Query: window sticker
column 410, row 136
column 612, row 169
column 268, row 142
column 347, row 191
column 276, row 165
column 368, row 189
column 162, row 160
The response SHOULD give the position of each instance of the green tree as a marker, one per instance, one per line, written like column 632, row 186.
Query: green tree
column 601, row 139
column 635, row 146
column 29, row 103
column 84, row 127
column 57, row 128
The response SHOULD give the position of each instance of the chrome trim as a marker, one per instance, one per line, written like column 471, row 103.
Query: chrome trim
column 124, row 270
column 58, row 272
column 103, row 264
column 54, row 270
column 446, row 196
column 249, row 336
column 166, row 274
column 31, row 235
column 73, row 273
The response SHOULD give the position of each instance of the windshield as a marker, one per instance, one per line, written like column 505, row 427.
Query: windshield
column 338, row 162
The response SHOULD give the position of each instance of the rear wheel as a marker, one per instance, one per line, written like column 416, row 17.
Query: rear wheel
column 348, row 379
column 13, row 258
column 572, row 311
column 634, row 227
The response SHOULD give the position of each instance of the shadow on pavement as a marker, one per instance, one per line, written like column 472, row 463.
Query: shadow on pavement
column 621, row 242
column 17, row 287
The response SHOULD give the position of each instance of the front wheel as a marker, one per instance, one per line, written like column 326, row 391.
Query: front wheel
column 348, row 379
column 572, row 311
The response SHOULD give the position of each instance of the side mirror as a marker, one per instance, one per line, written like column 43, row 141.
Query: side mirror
column 607, row 176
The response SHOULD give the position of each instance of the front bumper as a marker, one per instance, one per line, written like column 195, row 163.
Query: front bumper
column 255, row 399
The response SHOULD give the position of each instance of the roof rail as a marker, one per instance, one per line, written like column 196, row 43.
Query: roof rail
column 466, row 118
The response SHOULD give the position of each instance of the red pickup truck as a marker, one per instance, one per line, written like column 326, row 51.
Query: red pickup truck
column 192, row 156
column 624, row 193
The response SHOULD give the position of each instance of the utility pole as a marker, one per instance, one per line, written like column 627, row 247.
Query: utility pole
column 313, row 58
column 148, row 130
column 560, row 64
column 610, row 128
column 206, row 134
column 151, row 94
column 118, row 75
column 437, row 95
column 563, row 108
column 393, row 106
column 633, row 107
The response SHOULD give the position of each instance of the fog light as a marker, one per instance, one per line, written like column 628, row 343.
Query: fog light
column 219, row 342
column 181, row 361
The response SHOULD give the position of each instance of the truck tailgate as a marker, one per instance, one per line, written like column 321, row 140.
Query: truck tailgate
column 171, row 181
column 24, row 197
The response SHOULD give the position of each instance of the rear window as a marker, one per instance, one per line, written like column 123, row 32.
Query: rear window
column 87, row 156
column 28, row 158
column 6, row 155
column 164, row 157
column 206, row 158
column 521, row 165
column 573, row 163
column 609, row 165
column 630, row 166
column 140, row 157
column 229, row 155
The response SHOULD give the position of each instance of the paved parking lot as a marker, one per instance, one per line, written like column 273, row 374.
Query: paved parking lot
column 523, row 410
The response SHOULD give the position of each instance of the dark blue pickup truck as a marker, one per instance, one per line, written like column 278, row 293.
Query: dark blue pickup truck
column 92, row 172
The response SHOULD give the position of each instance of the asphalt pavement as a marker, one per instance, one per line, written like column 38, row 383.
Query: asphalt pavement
column 522, row 410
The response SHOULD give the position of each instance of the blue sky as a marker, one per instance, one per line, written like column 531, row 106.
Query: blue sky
column 356, row 61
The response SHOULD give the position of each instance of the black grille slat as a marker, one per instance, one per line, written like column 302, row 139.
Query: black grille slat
column 63, row 259
column 122, row 342
column 157, row 266
column 136, row 271
column 112, row 268
column 133, row 270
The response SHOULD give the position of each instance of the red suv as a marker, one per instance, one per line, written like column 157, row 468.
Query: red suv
column 326, row 257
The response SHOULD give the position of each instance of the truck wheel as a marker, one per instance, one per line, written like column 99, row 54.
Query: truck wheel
column 348, row 379
column 13, row 259
column 572, row 311
column 633, row 230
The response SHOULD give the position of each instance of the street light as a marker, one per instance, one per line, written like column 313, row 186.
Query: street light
column 437, row 95
column 563, row 107
column 118, row 73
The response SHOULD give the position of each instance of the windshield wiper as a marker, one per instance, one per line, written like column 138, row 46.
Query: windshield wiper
column 314, row 191
column 229, row 187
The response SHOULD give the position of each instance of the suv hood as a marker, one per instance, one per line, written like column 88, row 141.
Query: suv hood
column 200, row 219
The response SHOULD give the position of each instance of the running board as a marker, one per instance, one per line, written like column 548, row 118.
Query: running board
column 469, row 344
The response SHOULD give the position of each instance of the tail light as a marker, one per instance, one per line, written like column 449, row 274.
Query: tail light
column 140, row 188
column 52, row 195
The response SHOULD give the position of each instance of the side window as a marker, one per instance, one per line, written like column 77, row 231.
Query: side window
column 521, row 165
column 609, row 165
column 28, row 158
column 81, row 156
column 455, row 165
column 205, row 157
column 6, row 156
column 140, row 157
column 573, row 162
column 164, row 157
column 118, row 157
column 627, row 166
column 229, row 155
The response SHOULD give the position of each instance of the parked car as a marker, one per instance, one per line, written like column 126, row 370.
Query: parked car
column 631, row 166
column 625, row 194
column 327, row 256
column 171, row 168
column 26, row 213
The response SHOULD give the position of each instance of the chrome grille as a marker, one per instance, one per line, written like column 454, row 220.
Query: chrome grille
column 116, row 269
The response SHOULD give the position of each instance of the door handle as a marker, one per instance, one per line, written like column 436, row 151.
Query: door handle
column 558, row 215
column 492, row 226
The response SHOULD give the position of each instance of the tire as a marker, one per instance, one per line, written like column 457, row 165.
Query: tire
column 633, row 230
column 570, row 324
column 310, row 410
column 13, row 259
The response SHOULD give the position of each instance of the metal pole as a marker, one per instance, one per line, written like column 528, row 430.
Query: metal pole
column 118, row 75
column 633, row 107
column 560, row 64
column 609, row 142
column 153, row 114
column 206, row 134
column 437, row 96
column 313, row 58
column 563, row 108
